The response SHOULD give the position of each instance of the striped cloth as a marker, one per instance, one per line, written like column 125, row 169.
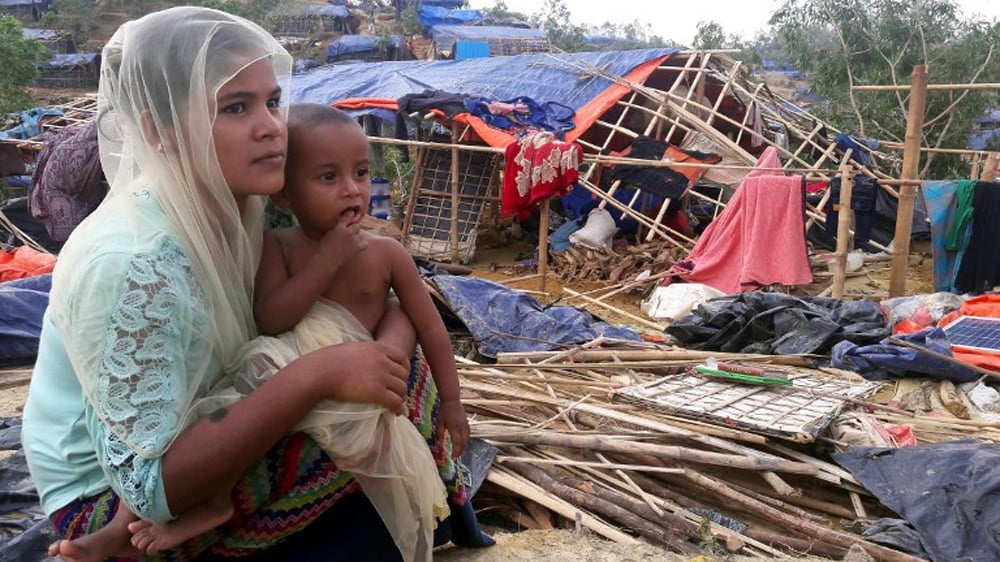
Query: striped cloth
column 285, row 491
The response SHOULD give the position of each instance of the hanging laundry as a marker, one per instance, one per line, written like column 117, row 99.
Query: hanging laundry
column 957, row 236
column 758, row 240
column 861, row 148
column 523, row 114
column 939, row 197
column 537, row 167
column 448, row 103
column 979, row 270
column 864, row 194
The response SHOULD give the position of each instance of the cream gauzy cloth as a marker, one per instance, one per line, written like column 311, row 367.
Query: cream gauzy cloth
column 385, row 452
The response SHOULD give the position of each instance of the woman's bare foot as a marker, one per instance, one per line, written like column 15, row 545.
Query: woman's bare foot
column 151, row 538
column 110, row 541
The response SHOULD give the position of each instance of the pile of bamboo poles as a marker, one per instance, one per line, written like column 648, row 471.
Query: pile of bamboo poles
column 569, row 452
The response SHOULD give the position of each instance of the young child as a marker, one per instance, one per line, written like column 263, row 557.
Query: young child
column 327, row 186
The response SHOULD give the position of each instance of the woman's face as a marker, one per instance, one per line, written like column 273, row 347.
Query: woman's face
column 249, row 132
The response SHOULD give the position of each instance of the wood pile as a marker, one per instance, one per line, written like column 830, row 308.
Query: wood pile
column 586, row 264
column 571, row 452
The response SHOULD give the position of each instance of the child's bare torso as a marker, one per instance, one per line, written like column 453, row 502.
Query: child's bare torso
column 361, row 285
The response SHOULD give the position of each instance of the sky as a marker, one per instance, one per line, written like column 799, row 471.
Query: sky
column 678, row 22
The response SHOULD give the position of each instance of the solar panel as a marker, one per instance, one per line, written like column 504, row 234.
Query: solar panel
column 976, row 332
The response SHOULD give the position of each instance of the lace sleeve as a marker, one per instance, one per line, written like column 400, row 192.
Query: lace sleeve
column 136, row 368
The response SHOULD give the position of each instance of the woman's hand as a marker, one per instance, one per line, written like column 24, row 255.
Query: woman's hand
column 369, row 372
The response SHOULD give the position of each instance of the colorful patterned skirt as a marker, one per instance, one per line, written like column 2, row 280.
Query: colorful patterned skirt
column 284, row 492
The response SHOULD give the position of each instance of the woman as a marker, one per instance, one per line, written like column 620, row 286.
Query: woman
column 151, row 303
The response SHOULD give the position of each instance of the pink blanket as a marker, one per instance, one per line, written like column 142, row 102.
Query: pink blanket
column 759, row 238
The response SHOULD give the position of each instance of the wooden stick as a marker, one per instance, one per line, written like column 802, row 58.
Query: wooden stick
column 639, row 319
column 608, row 465
column 653, row 355
column 907, row 193
column 543, row 244
column 605, row 508
column 943, row 357
column 844, row 219
column 796, row 545
column 600, row 443
column 802, row 526
column 455, row 190
column 527, row 489
column 929, row 87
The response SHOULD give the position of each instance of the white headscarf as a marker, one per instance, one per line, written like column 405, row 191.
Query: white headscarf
column 156, row 108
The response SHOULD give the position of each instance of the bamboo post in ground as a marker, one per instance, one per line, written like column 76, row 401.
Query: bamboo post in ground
column 976, row 161
column 455, row 186
column 844, row 219
column 907, row 193
column 543, row 244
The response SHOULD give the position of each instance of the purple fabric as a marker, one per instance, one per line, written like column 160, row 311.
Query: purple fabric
column 67, row 183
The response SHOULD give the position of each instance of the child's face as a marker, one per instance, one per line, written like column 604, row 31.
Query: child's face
column 328, row 180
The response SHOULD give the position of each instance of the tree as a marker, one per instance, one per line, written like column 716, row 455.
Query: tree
column 75, row 17
column 709, row 35
column 849, row 42
column 554, row 18
column 635, row 35
column 20, row 68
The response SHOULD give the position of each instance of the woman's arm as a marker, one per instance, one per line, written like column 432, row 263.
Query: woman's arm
column 214, row 452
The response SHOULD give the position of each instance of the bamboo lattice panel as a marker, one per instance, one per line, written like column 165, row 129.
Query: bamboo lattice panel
column 798, row 413
column 430, row 231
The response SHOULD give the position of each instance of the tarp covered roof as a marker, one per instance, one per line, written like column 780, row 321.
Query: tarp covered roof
column 542, row 77
column 327, row 11
column 44, row 4
column 39, row 34
column 436, row 15
column 358, row 44
column 72, row 60
column 484, row 32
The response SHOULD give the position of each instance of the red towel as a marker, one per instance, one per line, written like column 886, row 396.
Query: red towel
column 759, row 238
column 537, row 167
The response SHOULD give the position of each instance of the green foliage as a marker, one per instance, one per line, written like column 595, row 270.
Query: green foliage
column 710, row 35
column 20, row 68
column 841, row 42
column 410, row 20
column 554, row 18
column 635, row 35
column 75, row 17
column 254, row 10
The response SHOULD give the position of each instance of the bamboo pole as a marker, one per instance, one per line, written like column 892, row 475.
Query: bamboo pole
column 455, row 187
column 543, row 244
column 976, row 161
column 844, row 220
column 525, row 488
column 930, row 87
column 907, row 193
column 639, row 319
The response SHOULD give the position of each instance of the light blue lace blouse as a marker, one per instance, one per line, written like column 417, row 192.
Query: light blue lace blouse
column 136, row 317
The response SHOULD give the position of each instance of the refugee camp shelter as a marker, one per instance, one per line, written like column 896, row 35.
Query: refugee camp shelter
column 449, row 40
column 698, row 100
column 367, row 48
column 987, row 130
column 74, row 70
column 25, row 10
column 305, row 21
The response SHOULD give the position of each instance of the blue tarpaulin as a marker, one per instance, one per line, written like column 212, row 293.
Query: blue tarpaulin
column 436, row 15
column 356, row 45
column 64, row 61
column 22, row 304
column 328, row 11
column 538, row 76
column 887, row 361
column 503, row 320
column 39, row 34
column 446, row 35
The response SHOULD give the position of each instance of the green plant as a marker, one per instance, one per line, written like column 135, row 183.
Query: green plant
column 410, row 21
column 20, row 68
column 400, row 171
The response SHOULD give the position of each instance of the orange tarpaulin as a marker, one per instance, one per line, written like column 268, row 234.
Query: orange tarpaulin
column 25, row 262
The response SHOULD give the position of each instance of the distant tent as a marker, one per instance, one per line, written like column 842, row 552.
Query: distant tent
column 303, row 21
column 368, row 48
column 436, row 15
column 77, row 70
column 40, row 34
column 25, row 10
column 502, row 40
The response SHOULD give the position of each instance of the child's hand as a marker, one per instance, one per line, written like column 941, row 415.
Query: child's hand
column 341, row 243
column 451, row 416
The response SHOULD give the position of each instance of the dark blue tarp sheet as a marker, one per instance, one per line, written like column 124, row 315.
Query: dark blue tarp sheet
column 64, row 61
column 327, row 11
column 359, row 44
column 39, row 34
column 436, row 15
column 540, row 77
column 22, row 304
column 503, row 320
column 887, row 361
column 949, row 492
